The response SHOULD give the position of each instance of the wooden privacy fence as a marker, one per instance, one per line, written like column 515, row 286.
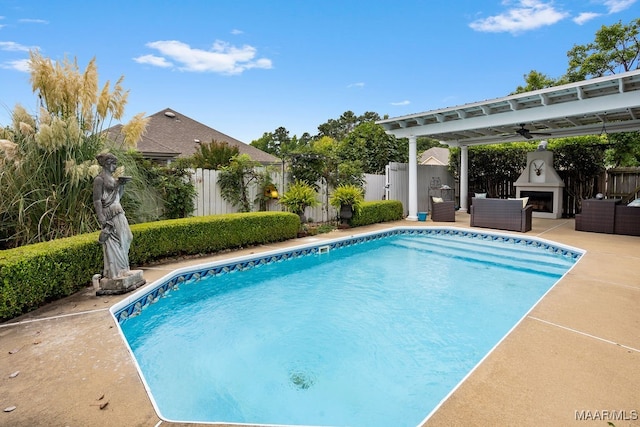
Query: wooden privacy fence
column 209, row 199
column 623, row 183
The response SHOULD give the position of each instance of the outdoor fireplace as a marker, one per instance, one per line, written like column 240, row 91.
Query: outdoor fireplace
column 541, row 183
column 541, row 201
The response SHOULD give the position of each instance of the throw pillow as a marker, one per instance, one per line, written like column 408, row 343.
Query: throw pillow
column 437, row 199
column 635, row 203
column 524, row 200
column 481, row 195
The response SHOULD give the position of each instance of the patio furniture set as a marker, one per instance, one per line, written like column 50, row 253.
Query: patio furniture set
column 609, row 216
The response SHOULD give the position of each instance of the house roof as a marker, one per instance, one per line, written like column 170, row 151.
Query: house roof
column 171, row 134
column 610, row 103
column 435, row 156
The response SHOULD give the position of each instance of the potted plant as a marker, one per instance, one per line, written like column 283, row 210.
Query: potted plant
column 298, row 197
column 347, row 198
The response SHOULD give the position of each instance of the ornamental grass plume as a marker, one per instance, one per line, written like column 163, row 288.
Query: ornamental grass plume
column 8, row 151
column 134, row 130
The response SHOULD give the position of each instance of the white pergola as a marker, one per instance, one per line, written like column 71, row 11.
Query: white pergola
column 605, row 104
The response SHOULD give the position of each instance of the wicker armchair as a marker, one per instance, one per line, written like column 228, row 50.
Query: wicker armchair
column 443, row 211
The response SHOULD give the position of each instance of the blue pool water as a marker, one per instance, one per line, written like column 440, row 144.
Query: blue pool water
column 374, row 333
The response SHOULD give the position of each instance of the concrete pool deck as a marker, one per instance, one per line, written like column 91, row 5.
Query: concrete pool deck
column 573, row 360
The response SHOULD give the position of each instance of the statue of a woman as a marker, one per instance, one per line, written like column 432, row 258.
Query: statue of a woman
column 115, row 236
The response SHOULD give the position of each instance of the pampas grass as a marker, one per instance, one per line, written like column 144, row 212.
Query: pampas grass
column 47, row 161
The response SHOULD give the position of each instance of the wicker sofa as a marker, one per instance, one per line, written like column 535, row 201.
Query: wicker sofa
column 608, row 216
column 502, row 214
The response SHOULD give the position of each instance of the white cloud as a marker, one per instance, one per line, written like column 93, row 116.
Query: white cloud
column 156, row 61
column 19, row 65
column 359, row 84
column 401, row 103
column 615, row 6
column 33, row 21
column 13, row 47
column 222, row 58
column 236, row 32
column 585, row 17
column 524, row 16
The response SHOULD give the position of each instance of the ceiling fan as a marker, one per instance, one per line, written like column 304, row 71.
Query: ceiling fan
column 526, row 133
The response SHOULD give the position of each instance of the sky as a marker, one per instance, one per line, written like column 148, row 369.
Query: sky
column 246, row 67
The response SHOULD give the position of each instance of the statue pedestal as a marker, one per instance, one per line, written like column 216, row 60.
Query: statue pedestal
column 121, row 285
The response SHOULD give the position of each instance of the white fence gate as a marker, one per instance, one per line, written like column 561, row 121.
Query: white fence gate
column 430, row 180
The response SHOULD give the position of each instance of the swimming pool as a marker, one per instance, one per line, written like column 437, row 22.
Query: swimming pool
column 390, row 363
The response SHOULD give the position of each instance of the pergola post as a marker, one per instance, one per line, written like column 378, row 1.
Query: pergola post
column 413, row 179
column 464, row 177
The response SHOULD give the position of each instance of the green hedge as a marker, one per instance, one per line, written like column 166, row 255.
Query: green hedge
column 33, row 275
column 378, row 211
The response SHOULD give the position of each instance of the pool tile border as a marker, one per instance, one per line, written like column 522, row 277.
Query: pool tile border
column 132, row 306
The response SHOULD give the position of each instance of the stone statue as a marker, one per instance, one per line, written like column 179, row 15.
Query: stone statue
column 115, row 236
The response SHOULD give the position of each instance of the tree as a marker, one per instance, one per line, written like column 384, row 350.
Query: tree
column 581, row 159
column 279, row 143
column 535, row 80
column 307, row 167
column 625, row 151
column 214, row 155
column 340, row 128
column 615, row 49
column 373, row 147
column 234, row 181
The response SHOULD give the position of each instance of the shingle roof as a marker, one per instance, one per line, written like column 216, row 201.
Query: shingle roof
column 435, row 156
column 171, row 134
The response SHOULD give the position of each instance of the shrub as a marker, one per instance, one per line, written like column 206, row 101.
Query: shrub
column 378, row 211
column 347, row 194
column 35, row 274
column 298, row 197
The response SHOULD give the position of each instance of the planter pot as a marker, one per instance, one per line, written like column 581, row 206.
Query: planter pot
column 346, row 213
